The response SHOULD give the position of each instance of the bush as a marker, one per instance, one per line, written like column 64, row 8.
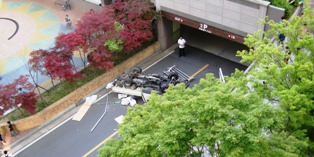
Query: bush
column 284, row 4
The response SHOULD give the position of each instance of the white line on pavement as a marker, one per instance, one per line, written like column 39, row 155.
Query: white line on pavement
column 46, row 133
column 158, row 60
column 54, row 128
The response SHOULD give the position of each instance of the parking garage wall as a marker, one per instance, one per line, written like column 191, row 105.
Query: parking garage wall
column 236, row 16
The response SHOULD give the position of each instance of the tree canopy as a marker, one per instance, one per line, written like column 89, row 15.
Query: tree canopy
column 267, row 111
column 11, row 95
column 101, row 36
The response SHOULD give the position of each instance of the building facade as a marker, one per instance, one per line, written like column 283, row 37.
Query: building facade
column 206, row 22
column 230, row 19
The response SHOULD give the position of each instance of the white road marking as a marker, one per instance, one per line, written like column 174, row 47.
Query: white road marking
column 46, row 133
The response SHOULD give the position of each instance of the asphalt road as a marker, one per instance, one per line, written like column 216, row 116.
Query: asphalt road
column 75, row 139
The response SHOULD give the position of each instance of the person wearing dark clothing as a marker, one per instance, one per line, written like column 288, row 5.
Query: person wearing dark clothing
column 6, row 154
column 2, row 140
column 12, row 131
column 281, row 36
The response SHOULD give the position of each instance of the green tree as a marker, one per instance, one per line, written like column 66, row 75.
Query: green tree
column 114, row 45
column 284, row 73
column 267, row 111
column 208, row 117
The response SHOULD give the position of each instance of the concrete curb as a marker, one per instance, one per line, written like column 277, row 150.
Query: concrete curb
column 54, row 122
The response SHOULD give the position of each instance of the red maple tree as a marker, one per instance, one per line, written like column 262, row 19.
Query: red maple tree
column 74, row 41
column 37, row 61
column 99, row 27
column 59, row 66
column 28, row 101
column 136, row 17
column 10, row 97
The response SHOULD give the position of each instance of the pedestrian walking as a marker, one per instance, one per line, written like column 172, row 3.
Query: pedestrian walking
column 281, row 36
column 301, row 6
column 12, row 131
column 6, row 154
column 2, row 140
column 68, row 22
column 181, row 43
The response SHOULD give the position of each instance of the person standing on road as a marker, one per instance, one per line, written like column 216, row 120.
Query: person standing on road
column 12, row 131
column 181, row 43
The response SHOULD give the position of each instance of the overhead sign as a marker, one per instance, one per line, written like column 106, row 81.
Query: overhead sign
column 178, row 19
column 204, row 27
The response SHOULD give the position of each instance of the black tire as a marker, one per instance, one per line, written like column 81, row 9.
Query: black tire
column 128, row 81
column 123, row 76
column 173, row 75
column 137, row 70
column 163, row 88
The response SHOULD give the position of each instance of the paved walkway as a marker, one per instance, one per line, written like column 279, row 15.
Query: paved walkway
column 26, row 26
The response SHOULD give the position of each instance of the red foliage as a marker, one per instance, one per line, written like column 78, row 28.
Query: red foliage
column 71, row 42
column 98, row 60
column 137, row 22
column 60, row 66
column 36, row 61
column 28, row 101
column 56, row 62
column 10, row 98
column 98, row 27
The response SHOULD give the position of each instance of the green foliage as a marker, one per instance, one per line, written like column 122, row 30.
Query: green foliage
column 186, row 122
column 64, row 88
column 284, row 4
column 117, row 26
column 114, row 45
column 288, row 86
column 17, row 114
column 267, row 111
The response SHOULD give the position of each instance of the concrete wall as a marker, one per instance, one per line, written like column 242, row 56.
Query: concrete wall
column 56, row 108
column 236, row 16
column 84, row 6
column 165, row 32
column 274, row 13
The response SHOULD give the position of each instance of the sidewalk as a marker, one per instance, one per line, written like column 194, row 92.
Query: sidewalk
column 36, row 24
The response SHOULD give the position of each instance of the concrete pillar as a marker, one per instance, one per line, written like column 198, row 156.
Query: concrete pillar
column 106, row 2
column 262, row 14
column 165, row 32
column 157, row 5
